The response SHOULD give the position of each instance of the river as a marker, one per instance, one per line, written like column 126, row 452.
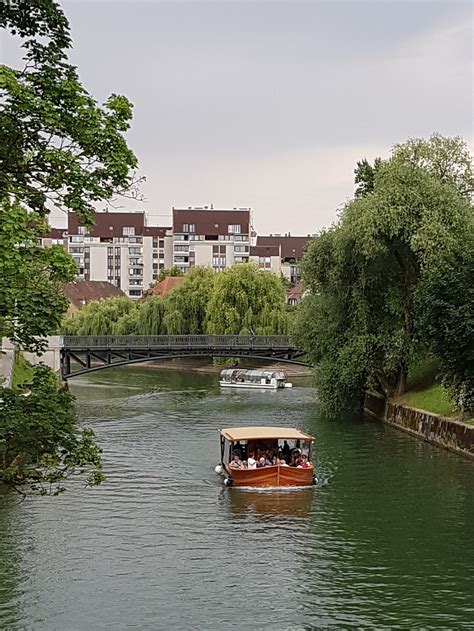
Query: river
column 385, row 542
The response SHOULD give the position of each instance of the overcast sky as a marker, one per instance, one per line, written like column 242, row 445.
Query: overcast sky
column 270, row 104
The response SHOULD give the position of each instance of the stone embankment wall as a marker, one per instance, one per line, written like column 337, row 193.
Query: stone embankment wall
column 439, row 430
column 51, row 357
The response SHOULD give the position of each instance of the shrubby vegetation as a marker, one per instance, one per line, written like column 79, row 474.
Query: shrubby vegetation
column 393, row 278
column 58, row 149
column 240, row 300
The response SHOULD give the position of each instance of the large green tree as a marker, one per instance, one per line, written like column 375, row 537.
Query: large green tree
column 186, row 305
column 246, row 300
column 359, row 322
column 59, row 150
column 40, row 445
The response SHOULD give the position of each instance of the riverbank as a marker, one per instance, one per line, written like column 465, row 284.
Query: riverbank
column 446, row 432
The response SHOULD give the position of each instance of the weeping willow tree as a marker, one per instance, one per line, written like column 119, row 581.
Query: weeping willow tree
column 187, row 304
column 245, row 300
column 100, row 317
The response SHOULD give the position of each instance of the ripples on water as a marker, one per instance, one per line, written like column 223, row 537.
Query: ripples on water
column 384, row 544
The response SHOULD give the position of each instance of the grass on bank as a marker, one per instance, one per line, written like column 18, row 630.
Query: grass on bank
column 424, row 390
column 22, row 371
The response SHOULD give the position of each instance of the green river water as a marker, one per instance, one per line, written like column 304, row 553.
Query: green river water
column 384, row 543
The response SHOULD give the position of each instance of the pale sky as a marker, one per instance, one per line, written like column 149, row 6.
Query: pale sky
column 270, row 104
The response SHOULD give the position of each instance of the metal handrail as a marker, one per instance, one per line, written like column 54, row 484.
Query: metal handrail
column 178, row 341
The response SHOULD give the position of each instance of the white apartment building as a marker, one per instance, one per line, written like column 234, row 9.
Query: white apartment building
column 212, row 237
column 120, row 248
column 291, row 253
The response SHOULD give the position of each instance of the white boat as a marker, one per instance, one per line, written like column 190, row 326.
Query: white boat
column 258, row 379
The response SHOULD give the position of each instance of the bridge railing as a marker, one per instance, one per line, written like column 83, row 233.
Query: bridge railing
column 177, row 341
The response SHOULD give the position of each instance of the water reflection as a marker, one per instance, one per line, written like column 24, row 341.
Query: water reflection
column 295, row 502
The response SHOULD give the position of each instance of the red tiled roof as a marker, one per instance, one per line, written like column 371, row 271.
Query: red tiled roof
column 264, row 250
column 291, row 247
column 110, row 224
column 295, row 292
column 81, row 292
column 211, row 222
column 55, row 233
column 166, row 285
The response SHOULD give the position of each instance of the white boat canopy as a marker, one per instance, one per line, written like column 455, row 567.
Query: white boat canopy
column 251, row 375
column 234, row 434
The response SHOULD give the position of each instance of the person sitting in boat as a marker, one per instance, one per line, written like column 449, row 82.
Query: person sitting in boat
column 262, row 462
column 295, row 458
column 251, row 462
column 236, row 462
column 303, row 462
column 269, row 458
column 283, row 462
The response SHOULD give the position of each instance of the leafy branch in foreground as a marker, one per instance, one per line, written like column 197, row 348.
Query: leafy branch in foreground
column 40, row 442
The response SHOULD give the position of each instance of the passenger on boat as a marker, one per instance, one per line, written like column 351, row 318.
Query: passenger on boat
column 261, row 463
column 251, row 462
column 236, row 462
column 283, row 462
column 285, row 451
column 304, row 463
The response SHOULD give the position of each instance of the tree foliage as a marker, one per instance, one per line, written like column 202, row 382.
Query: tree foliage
column 239, row 300
column 187, row 304
column 58, row 148
column 246, row 300
column 40, row 445
column 360, row 322
column 31, row 304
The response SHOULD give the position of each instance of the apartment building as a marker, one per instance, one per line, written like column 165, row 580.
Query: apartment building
column 266, row 257
column 120, row 249
column 214, row 237
column 291, row 253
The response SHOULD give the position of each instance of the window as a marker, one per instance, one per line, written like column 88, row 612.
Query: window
column 264, row 262
column 189, row 227
column 162, row 243
column 241, row 248
column 135, row 251
column 181, row 237
column 198, row 237
column 128, row 231
column 134, row 292
column 133, row 282
column 242, row 237
column 135, row 272
column 81, row 230
column 181, row 248
column 225, row 237
column 75, row 250
column 76, row 239
column 155, row 242
column 234, row 229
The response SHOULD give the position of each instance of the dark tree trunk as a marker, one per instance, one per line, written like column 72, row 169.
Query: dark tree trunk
column 402, row 381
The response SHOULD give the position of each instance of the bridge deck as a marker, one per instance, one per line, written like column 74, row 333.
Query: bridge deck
column 91, row 352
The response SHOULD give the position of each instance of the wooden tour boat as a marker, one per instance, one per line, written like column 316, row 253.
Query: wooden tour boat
column 282, row 441
column 261, row 379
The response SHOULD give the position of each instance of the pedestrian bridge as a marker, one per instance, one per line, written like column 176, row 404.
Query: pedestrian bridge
column 84, row 354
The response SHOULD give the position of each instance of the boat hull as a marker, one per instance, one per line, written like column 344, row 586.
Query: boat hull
column 273, row 476
column 253, row 386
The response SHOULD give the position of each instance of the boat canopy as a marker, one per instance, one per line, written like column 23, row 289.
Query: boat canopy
column 251, row 375
column 234, row 434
